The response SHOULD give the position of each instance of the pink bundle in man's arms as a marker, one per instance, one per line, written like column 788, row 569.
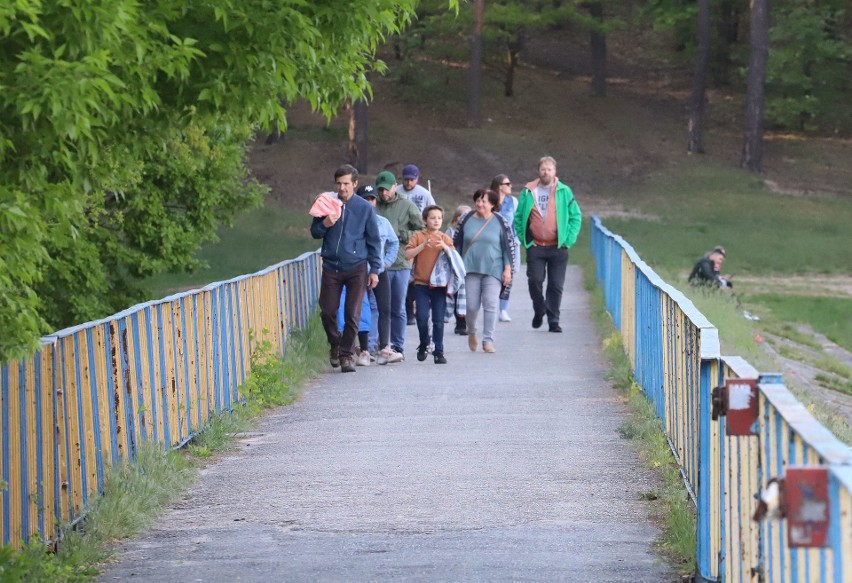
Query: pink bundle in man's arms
column 326, row 205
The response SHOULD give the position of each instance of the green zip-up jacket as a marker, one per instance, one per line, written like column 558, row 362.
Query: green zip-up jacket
column 568, row 214
column 405, row 220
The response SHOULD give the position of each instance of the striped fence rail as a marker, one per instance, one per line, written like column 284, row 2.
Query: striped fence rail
column 153, row 373
column 675, row 354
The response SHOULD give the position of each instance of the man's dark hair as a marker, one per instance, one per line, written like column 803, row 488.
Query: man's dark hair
column 430, row 208
column 346, row 170
column 492, row 197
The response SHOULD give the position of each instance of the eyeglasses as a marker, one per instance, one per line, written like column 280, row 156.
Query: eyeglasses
column 505, row 184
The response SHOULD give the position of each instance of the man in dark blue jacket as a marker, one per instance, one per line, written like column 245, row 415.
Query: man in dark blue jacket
column 351, row 259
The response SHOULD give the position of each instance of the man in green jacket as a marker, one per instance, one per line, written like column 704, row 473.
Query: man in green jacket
column 547, row 222
column 405, row 220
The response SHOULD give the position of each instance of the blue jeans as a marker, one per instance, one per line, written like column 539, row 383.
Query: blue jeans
column 399, row 286
column 434, row 298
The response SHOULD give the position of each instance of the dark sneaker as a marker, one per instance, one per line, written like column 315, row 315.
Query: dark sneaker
column 461, row 331
column 439, row 358
column 537, row 320
column 555, row 328
column 334, row 356
column 346, row 364
column 422, row 351
column 412, row 320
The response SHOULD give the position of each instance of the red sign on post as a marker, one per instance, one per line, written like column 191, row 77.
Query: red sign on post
column 742, row 407
column 808, row 509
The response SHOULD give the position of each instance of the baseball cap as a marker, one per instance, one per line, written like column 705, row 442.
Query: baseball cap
column 385, row 179
column 366, row 191
column 410, row 171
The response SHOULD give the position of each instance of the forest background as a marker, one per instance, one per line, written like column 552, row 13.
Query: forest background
column 130, row 140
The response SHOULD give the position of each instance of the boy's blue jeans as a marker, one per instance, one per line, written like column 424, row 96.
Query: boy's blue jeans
column 435, row 299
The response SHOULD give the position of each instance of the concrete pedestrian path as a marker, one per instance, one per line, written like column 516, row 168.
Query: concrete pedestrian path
column 494, row 467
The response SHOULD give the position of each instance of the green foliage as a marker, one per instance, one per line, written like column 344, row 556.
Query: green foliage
column 266, row 386
column 810, row 56
column 218, row 433
column 121, row 133
column 809, row 66
column 677, row 17
column 36, row 561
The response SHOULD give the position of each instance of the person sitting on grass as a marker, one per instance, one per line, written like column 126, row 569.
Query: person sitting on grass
column 707, row 270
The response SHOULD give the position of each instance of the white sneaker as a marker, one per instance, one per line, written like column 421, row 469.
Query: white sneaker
column 504, row 316
column 394, row 356
column 363, row 358
column 382, row 356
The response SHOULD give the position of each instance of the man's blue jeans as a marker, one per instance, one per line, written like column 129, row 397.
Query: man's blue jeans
column 399, row 319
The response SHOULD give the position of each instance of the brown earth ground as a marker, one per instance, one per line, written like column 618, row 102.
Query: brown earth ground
column 602, row 145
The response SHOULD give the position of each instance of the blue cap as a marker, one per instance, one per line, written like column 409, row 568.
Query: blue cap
column 410, row 171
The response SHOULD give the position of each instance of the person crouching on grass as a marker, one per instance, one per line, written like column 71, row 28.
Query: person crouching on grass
column 424, row 248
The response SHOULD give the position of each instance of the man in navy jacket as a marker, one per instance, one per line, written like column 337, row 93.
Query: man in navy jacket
column 351, row 259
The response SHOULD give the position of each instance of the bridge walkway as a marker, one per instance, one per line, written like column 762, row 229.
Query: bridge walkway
column 494, row 467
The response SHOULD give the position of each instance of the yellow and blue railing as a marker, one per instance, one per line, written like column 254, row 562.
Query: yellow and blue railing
column 155, row 372
column 728, row 468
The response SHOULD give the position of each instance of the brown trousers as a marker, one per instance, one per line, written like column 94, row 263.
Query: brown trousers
column 331, row 287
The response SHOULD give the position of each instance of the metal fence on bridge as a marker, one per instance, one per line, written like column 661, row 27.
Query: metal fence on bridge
column 730, row 462
column 155, row 372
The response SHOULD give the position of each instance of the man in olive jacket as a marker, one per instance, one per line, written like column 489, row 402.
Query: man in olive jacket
column 405, row 220
column 547, row 222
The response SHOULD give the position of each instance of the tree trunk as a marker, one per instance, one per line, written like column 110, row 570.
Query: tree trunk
column 698, row 102
column 752, row 156
column 474, row 115
column 598, row 45
column 351, row 147
column 509, row 81
column 728, row 35
column 274, row 135
column 361, row 151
